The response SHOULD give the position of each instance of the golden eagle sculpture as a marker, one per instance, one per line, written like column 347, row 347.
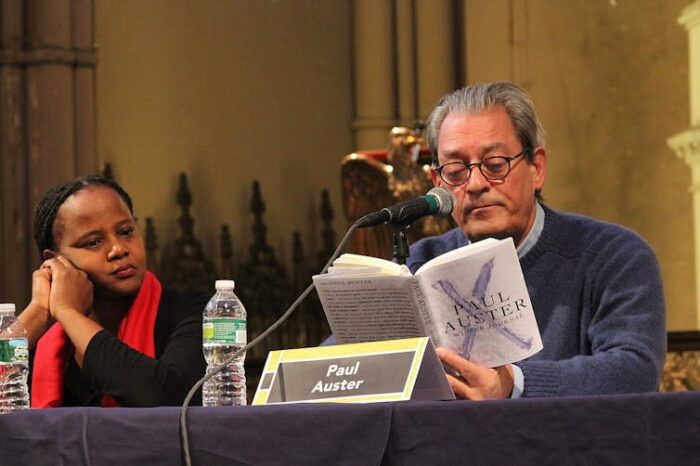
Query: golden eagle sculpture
column 375, row 179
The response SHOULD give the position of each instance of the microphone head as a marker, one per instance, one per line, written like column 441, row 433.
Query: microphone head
column 445, row 201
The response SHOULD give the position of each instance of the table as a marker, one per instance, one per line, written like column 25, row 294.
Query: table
column 647, row 429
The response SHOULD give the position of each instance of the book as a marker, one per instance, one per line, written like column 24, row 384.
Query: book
column 472, row 300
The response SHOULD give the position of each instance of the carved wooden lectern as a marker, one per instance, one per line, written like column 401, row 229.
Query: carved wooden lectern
column 375, row 179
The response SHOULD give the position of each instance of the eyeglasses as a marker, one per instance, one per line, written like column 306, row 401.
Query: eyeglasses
column 493, row 169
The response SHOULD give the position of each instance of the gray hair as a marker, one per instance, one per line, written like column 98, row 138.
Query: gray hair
column 472, row 100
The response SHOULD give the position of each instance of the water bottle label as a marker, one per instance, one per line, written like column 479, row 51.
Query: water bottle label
column 226, row 330
column 14, row 350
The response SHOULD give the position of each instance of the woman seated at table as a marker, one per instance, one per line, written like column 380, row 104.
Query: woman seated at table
column 104, row 330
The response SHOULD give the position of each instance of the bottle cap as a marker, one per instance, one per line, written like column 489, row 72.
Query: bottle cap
column 7, row 307
column 225, row 284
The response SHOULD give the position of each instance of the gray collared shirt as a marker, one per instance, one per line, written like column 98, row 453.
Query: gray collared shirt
column 534, row 233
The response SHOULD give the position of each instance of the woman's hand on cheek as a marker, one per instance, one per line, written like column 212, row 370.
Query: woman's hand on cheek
column 37, row 317
column 41, row 289
column 71, row 290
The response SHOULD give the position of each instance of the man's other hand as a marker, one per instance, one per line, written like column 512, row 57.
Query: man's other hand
column 474, row 382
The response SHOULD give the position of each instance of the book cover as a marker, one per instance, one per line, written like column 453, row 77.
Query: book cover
column 472, row 300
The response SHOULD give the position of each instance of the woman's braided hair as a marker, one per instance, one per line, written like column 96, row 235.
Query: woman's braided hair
column 53, row 199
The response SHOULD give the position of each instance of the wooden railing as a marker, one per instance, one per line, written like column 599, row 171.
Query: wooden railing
column 682, row 367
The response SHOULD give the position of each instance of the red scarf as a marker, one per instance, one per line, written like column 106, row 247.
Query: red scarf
column 53, row 349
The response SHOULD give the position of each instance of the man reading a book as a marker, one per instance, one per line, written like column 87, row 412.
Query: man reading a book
column 595, row 287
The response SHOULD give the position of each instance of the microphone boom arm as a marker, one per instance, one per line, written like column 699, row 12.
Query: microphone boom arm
column 400, row 249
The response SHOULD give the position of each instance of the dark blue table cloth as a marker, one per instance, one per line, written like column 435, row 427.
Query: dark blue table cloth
column 650, row 429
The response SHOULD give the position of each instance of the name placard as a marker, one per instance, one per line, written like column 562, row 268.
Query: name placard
column 390, row 370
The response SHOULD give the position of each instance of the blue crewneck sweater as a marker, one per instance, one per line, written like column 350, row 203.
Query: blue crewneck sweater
column 596, row 291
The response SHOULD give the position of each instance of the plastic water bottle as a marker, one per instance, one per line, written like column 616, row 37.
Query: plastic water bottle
column 14, row 361
column 224, row 332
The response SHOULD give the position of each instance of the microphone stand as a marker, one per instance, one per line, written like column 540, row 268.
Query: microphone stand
column 400, row 249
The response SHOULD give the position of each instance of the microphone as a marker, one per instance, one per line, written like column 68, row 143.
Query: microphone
column 437, row 201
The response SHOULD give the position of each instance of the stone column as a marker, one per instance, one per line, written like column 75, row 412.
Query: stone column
column 405, row 58
column 373, row 48
column 50, row 97
column 406, row 63
column 436, row 52
column 686, row 145
column 15, row 227
column 47, row 117
column 85, row 59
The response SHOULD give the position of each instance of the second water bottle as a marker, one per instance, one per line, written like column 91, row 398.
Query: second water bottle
column 224, row 332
